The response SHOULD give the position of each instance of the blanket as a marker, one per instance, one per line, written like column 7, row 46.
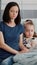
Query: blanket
column 29, row 58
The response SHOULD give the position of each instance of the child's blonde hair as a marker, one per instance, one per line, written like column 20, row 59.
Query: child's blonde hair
column 31, row 23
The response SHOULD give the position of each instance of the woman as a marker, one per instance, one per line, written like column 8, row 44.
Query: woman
column 11, row 33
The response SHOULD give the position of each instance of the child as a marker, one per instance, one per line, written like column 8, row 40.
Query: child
column 29, row 34
column 30, row 42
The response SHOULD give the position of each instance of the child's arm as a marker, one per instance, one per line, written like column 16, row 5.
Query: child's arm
column 22, row 47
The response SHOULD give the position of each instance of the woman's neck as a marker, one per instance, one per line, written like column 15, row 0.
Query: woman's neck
column 11, row 23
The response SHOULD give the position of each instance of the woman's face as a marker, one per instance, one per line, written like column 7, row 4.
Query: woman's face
column 13, row 12
column 29, row 31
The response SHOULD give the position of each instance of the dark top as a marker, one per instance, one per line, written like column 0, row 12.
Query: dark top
column 11, row 37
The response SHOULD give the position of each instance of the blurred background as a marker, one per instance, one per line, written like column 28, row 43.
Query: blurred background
column 28, row 10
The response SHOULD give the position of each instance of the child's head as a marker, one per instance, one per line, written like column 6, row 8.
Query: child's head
column 29, row 29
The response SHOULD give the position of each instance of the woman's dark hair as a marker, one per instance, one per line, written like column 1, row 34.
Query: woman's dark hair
column 31, row 23
column 6, row 17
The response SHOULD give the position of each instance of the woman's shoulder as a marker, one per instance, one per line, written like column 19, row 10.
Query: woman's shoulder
column 21, row 26
column 1, row 23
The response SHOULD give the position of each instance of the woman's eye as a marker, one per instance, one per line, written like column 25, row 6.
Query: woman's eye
column 16, row 11
column 11, row 11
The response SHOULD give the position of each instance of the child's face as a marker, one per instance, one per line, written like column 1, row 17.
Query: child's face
column 29, row 31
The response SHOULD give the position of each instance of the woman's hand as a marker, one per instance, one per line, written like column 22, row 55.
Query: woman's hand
column 24, row 50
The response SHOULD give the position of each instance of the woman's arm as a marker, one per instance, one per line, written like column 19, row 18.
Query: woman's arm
column 4, row 46
column 22, row 47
